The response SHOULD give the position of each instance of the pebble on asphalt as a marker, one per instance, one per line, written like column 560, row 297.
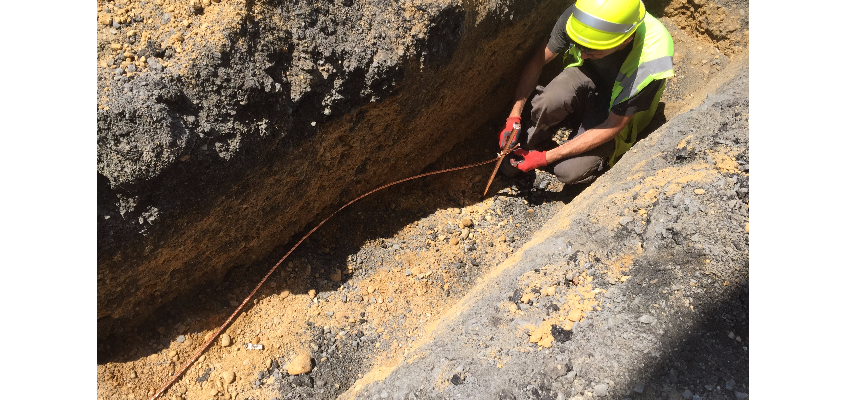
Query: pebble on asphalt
column 574, row 315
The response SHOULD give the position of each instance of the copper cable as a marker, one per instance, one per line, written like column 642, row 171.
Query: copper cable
column 503, row 155
column 236, row 312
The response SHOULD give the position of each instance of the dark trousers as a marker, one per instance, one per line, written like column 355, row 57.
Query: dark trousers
column 571, row 99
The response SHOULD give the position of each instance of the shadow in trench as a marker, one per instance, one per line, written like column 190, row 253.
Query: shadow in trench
column 703, row 358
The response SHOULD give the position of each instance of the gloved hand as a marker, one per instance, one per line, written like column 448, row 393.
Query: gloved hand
column 528, row 160
column 504, row 137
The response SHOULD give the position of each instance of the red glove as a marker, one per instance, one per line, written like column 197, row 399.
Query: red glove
column 510, row 123
column 530, row 160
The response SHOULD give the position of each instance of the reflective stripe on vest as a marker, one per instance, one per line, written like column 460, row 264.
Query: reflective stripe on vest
column 649, row 60
column 643, row 72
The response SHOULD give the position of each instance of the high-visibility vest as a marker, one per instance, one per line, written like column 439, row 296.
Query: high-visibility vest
column 649, row 60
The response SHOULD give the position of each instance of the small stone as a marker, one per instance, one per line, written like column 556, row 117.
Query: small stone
column 284, row 294
column 180, row 338
column 729, row 385
column 731, row 335
column 575, row 315
column 229, row 377
column 311, row 293
column 502, row 239
column 302, row 363
column 625, row 220
column 119, row 71
column 454, row 241
column 639, row 388
column 172, row 353
column 747, row 229
column 549, row 291
column 336, row 276
column 226, row 340
column 740, row 395
column 700, row 191
column 465, row 233
column 647, row 319
column 687, row 394
column 133, row 375
column 466, row 222
column 570, row 375
column 601, row 390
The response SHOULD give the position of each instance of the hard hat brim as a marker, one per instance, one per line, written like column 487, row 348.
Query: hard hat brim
column 580, row 33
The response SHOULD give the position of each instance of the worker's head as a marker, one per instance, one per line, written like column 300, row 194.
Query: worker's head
column 600, row 27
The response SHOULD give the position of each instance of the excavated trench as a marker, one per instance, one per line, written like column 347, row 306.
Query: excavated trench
column 369, row 285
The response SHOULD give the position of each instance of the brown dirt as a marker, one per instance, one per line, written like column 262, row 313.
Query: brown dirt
column 420, row 280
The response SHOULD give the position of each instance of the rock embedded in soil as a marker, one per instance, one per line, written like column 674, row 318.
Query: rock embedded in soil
column 601, row 390
column 300, row 364
column 647, row 319
column 226, row 341
column 229, row 377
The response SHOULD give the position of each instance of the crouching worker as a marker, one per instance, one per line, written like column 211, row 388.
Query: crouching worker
column 617, row 59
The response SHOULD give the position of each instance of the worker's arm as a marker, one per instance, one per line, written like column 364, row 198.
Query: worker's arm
column 529, row 77
column 589, row 139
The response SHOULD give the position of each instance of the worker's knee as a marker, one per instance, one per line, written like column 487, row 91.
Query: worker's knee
column 579, row 170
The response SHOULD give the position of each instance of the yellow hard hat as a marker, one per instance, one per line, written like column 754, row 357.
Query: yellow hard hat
column 604, row 24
